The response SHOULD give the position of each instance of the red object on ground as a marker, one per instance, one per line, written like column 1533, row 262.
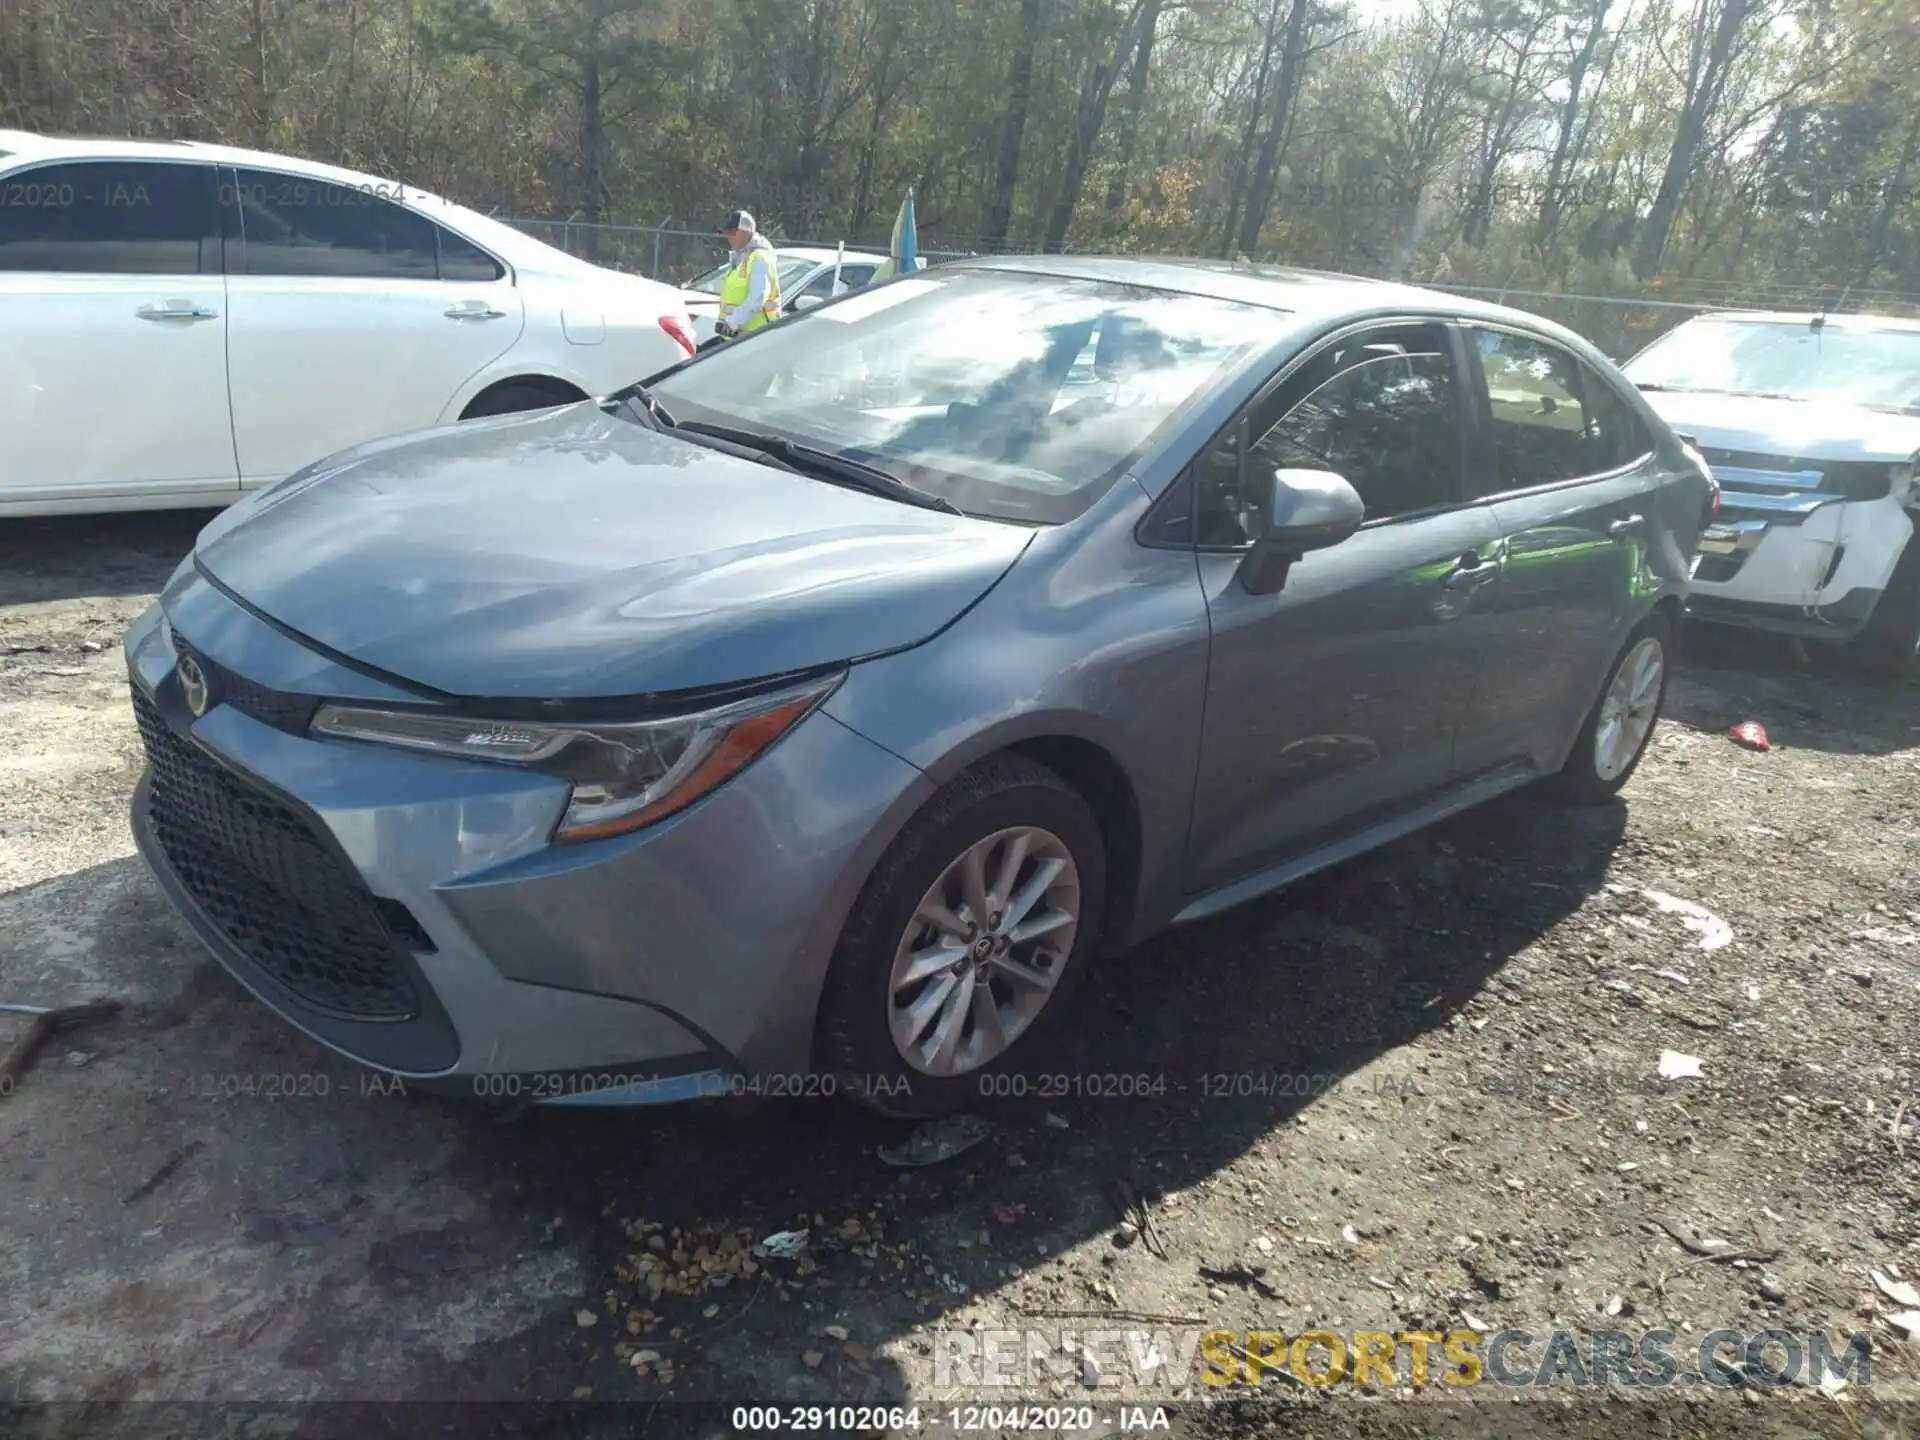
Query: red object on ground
column 1752, row 734
column 1007, row 1214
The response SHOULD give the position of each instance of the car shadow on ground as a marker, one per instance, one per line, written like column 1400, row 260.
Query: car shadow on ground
column 67, row 557
column 399, row 1221
column 1231, row 1028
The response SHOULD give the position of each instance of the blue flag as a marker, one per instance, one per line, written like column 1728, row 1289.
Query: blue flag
column 906, row 244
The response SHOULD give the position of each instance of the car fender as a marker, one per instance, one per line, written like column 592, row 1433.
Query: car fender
column 513, row 366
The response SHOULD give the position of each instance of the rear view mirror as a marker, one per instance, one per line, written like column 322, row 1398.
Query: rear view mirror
column 806, row 302
column 1311, row 510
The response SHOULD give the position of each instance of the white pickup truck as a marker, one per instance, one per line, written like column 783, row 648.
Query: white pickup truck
column 1811, row 424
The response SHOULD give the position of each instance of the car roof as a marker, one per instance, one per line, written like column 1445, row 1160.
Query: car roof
column 510, row 244
column 1299, row 291
column 1852, row 320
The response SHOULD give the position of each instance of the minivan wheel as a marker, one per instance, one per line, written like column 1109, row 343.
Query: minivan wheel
column 1621, row 722
column 964, row 949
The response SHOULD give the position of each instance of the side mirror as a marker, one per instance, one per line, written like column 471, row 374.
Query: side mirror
column 806, row 302
column 1311, row 510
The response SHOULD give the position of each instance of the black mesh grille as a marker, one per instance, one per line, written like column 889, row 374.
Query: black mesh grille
column 273, row 707
column 285, row 899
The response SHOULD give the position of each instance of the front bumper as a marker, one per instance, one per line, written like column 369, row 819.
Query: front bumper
column 408, row 911
column 1809, row 565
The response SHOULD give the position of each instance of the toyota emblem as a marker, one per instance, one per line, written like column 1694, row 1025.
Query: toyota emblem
column 193, row 685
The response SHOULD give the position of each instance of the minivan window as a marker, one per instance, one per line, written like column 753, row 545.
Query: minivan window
column 110, row 217
column 297, row 225
column 1543, row 428
column 961, row 382
column 1379, row 408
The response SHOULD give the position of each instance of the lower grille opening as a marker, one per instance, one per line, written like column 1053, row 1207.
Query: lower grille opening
column 285, row 898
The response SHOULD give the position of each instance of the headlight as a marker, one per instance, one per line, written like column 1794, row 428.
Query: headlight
column 624, row 776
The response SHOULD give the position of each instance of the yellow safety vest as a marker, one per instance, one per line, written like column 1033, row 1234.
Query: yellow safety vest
column 739, row 282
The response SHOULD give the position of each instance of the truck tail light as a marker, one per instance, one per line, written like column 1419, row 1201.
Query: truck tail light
column 677, row 328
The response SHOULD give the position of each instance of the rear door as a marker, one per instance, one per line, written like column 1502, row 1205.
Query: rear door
column 1573, row 480
column 113, row 332
column 353, row 317
column 1333, row 703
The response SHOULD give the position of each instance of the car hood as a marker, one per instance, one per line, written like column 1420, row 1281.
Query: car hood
column 1811, row 430
column 569, row 554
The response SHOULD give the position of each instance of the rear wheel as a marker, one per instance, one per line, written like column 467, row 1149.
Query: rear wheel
column 1889, row 645
column 964, row 948
column 1621, row 722
column 515, row 396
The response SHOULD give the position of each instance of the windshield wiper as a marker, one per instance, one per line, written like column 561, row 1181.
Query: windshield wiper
column 639, row 400
column 825, row 465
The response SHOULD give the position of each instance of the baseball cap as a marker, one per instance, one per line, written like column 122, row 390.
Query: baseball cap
column 739, row 220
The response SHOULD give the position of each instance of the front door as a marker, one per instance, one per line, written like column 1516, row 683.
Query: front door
column 113, row 333
column 1334, row 702
column 354, row 317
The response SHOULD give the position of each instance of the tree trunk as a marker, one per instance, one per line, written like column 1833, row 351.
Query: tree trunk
column 1090, row 118
column 870, row 149
column 262, row 94
column 1704, row 94
column 1895, row 196
column 1006, row 173
column 1135, row 104
column 1260, row 196
column 1243, row 161
column 1548, row 220
column 592, row 147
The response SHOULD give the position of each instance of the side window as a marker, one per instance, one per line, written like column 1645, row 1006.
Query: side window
column 1553, row 419
column 293, row 225
column 463, row 260
column 854, row 276
column 1380, row 408
column 1614, row 431
column 111, row 217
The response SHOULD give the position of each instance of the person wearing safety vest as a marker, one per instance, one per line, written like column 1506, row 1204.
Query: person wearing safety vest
column 750, row 293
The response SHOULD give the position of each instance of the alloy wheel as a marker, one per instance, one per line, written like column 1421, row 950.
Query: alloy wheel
column 1628, row 709
column 984, row 951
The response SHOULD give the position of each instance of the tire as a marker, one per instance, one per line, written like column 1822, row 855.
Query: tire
column 511, row 398
column 988, row 806
column 1889, row 645
column 1588, row 777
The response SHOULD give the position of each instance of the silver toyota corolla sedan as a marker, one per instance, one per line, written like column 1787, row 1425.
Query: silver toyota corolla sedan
column 822, row 710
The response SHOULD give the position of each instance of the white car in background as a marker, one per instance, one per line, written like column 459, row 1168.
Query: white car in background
column 807, row 278
column 181, row 323
column 1811, row 424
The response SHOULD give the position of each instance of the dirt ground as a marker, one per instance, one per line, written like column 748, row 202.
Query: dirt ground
column 1417, row 1093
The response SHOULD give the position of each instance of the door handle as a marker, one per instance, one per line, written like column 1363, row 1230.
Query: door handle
column 176, row 310
column 473, row 310
column 1470, row 571
column 1632, row 525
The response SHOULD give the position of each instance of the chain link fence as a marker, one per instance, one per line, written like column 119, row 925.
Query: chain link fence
column 1619, row 324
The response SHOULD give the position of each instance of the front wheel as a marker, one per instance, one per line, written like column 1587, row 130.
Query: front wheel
column 964, row 948
column 1620, row 725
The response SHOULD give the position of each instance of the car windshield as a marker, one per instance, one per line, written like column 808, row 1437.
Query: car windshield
column 1014, row 396
column 793, row 269
column 1879, row 369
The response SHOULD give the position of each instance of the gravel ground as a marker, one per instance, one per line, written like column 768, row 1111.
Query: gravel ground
column 1417, row 1093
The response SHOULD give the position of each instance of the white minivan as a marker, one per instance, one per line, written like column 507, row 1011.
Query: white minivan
column 1811, row 424
column 181, row 323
